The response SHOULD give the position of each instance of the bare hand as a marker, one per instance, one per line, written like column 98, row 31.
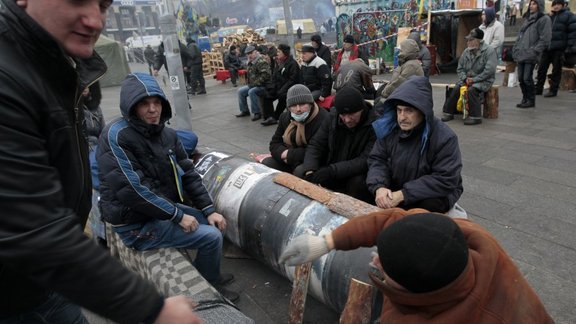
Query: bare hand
column 321, row 98
column 217, row 220
column 383, row 197
column 178, row 309
column 469, row 82
column 189, row 223
column 284, row 156
column 22, row 3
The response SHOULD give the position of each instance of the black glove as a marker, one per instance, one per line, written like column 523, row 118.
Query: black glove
column 322, row 175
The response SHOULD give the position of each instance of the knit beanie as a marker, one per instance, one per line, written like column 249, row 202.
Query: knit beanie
column 349, row 100
column 423, row 252
column 298, row 94
column 349, row 39
column 285, row 49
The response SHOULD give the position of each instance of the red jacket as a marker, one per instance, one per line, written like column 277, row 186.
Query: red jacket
column 490, row 290
column 354, row 54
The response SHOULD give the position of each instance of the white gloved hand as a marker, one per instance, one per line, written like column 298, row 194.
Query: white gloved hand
column 304, row 249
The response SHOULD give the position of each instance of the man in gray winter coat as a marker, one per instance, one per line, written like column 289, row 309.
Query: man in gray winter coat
column 477, row 70
column 408, row 66
column 533, row 39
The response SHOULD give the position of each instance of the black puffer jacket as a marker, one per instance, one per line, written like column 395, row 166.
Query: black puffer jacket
column 560, row 23
column 286, row 75
column 139, row 164
column 45, row 183
column 316, row 76
column 571, row 41
column 425, row 163
column 327, row 149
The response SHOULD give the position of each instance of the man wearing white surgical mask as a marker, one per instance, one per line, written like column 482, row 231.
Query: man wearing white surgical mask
column 296, row 126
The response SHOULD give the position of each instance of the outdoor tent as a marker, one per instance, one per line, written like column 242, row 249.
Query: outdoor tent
column 115, row 58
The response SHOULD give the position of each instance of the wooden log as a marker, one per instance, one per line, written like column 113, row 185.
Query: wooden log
column 491, row 102
column 299, row 292
column 358, row 308
column 568, row 80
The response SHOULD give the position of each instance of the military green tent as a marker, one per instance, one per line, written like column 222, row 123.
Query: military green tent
column 114, row 56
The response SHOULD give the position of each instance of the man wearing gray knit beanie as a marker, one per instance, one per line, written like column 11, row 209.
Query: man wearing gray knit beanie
column 336, row 157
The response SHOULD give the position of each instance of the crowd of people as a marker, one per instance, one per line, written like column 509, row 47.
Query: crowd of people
column 394, row 154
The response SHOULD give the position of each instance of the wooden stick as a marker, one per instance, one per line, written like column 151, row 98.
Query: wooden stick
column 358, row 308
column 299, row 292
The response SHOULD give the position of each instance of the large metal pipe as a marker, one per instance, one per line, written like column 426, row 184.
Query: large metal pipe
column 263, row 217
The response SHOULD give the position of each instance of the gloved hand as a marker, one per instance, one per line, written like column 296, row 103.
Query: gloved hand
column 321, row 175
column 304, row 249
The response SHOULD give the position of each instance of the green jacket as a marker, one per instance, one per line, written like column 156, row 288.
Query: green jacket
column 479, row 65
column 259, row 73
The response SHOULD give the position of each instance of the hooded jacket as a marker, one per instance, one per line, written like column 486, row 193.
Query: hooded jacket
column 493, row 29
column 144, row 169
column 534, row 36
column 424, row 55
column 355, row 74
column 410, row 66
column 425, row 163
column 491, row 289
column 560, row 22
column 45, row 180
column 480, row 65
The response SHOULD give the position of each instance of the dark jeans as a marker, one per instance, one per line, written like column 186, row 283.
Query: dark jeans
column 197, row 82
column 56, row 309
column 475, row 98
column 233, row 75
column 556, row 58
column 436, row 205
column 526, row 79
column 281, row 166
column 268, row 109
column 354, row 186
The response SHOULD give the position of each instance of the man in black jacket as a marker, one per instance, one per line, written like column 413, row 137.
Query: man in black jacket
column 336, row 156
column 148, row 184
column 321, row 50
column 46, row 261
column 554, row 54
column 196, row 81
column 415, row 162
column 315, row 74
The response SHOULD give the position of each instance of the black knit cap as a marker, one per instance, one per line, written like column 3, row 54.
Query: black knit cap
column 423, row 252
column 285, row 49
column 349, row 100
column 316, row 38
column 349, row 39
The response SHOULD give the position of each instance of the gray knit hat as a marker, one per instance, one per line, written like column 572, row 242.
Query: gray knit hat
column 298, row 94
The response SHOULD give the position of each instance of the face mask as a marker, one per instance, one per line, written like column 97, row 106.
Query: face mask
column 300, row 118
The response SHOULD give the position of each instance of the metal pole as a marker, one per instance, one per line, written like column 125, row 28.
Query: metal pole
column 182, row 110
column 289, row 28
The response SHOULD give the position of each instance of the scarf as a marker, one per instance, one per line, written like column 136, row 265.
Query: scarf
column 300, row 129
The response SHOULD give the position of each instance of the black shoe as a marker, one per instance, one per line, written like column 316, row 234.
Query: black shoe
column 243, row 114
column 228, row 294
column 447, row 117
column 470, row 121
column 234, row 85
column 256, row 117
column 269, row 121
column 521, row 103
column 527, row 104
column 550, row 94
column 538, row 92
column 225, row 278
column 201, row 92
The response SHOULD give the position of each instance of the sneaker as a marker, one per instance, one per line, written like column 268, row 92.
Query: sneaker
column 243, row 114
column 256, row 117
column 228, row 294
column 447, row 117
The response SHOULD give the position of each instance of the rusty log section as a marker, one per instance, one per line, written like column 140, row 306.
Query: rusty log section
column 299, row 292
column 358, row 307
column 336, row 202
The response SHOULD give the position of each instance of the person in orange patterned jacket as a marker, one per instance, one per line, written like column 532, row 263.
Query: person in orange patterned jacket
column 432, row 268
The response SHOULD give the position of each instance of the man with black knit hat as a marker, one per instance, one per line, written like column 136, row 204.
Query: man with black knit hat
column 296, row 127
column 321, row 50
column 349, row 52
column 336, row 156
column 315, row 73
column 416, row 161
column 431, row 268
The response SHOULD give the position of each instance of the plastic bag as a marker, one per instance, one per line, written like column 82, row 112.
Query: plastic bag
column 461, row 100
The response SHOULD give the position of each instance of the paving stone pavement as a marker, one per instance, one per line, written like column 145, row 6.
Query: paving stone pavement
column 519, row 182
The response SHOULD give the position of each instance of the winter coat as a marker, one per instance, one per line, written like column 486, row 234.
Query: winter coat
column 355, row 74
column 534, row 36
column 324, row 53
column 571, row 39
column 560, row 32
column 327, row 148
column 46, row 188
column 316, row 76
column 423, row 164
column 493, row 34
column 195, row 54
column 480, row 65
column 259, row 74
column 149, row 55
column 144, row 170
column 491, row 289
column 232, row 61
column 160, row 58
column 285, row 75
column 409, row 51
column 355, row 52
column 295, row 155
column 424, row 55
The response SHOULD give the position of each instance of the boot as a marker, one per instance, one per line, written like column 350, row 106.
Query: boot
column 526, row 104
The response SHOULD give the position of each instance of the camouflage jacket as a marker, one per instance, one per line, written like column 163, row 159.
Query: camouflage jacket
column 259, row 73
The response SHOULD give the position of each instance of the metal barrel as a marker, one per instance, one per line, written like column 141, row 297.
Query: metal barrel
column 263, row 217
